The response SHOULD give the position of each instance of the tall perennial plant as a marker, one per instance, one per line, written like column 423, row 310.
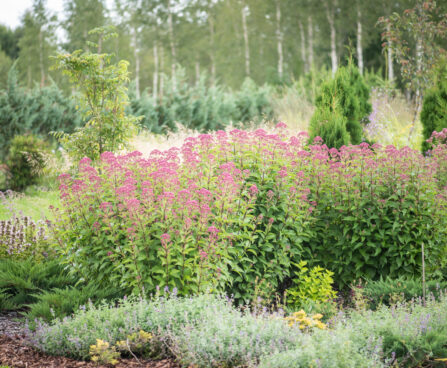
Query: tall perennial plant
column 229, row 211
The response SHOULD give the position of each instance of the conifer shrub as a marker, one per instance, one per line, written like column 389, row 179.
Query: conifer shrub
column 25, row 159
column 38, row 111
column 21, row 280
column 387, row 291
column 331, row 125
column 201, row 107
column 434, row 107
column 361, row 90
column 344, row 96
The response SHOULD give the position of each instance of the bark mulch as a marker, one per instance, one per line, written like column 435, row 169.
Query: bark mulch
column 15, row 353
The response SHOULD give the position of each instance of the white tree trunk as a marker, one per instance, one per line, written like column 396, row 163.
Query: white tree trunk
column 279, row 40
column 359, row 40
column 156, row 72
column 162, row 75
column 212, row 51
column 418, row 97
column 303, row 48
column 172, row 43
column 419, row 63
column 330, row 15
column 310, row 32
column 244, row 12
column 136, row 54
column 390, row 58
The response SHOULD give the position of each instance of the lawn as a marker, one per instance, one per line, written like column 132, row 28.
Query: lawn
column 33, row 203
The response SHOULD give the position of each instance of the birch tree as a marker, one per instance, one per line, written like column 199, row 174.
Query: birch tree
column 244, row 12
column 172, row 42
column 81, row 17
column 303, row 47
column 310, row 39
column 359, row 38
column 131, row 13
column 37, row 42
column 279, row 39
column 413, row 37
column 331, row 7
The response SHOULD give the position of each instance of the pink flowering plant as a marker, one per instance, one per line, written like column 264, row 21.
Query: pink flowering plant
column 438, row 145
column 227, row 210
column 374, row 207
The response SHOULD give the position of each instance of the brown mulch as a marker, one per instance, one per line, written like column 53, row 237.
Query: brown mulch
column 11, row 323
column 16, row 354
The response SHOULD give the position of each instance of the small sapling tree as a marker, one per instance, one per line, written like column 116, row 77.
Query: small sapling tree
column 102, row 100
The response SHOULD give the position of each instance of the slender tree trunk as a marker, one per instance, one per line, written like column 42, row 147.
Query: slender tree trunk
column 303, row 48
column 41, row 63
column 156, row 73
column 162, row 75
column 390, row 57
column 418, row 97
column 246, row 45
column 419, row 63
column 172, row 43
column 359, row 39
column 136, row 53
column 212, row 50
column 310, row 33
column 330, row 15
column 279, row 39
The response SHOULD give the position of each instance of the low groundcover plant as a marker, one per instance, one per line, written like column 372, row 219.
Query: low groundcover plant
column 208, row 331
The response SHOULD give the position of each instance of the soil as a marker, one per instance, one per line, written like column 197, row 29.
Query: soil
column 15, row 353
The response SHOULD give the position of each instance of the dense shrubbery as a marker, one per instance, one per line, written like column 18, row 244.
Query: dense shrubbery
column 438, row 145
column 25, row 159
column 207, row 331
column 45, row 289
column 434, row 108
column 21, row 280
column 342, row 105
column 390, row 291
column 200, row 107
column 57, row 302
column 38, row 111
column 237, row 211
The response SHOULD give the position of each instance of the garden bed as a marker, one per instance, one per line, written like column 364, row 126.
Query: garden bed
column 15, row 353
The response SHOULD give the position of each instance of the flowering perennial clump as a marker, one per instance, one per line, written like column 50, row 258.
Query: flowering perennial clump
column 135, row 343
column 226, row 209
column 102, row 352
column 20, row 236
column 305, row 322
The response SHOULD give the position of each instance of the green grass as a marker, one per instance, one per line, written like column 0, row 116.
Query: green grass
column 32, row 203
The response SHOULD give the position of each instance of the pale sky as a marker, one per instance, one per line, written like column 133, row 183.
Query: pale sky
column 12, row 10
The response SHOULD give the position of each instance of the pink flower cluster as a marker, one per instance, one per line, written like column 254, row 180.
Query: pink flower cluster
column 179, row 205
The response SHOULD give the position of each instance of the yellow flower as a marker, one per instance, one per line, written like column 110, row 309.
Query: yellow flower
column 300, row 314
column 145, row 335
column 320, row 325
